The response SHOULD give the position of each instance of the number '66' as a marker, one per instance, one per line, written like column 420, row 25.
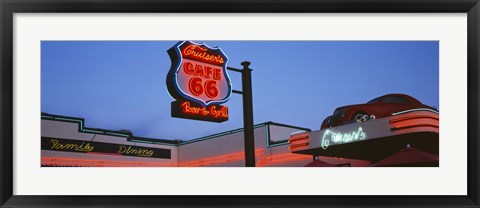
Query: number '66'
column 197, row 88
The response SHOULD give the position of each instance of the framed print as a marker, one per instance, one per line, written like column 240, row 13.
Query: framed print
column 265, row 103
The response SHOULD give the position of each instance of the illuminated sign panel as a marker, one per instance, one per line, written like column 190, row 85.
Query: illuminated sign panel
column 191, row 110
column 330, row 137
column 69, row 145
column 199, row 82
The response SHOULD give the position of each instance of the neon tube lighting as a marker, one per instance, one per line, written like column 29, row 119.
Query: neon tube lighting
column 413, row 110
column 341, row 138
column 414, row 117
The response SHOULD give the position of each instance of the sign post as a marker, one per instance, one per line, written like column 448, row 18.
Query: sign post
column 248, row 115
column 248, row 134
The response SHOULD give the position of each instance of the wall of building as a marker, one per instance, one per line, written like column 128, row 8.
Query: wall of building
column 224, row 149
column 220, row 150
column 271, row 150
column 70, row 130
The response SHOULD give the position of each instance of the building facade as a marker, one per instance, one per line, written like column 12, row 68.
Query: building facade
column 66, row 142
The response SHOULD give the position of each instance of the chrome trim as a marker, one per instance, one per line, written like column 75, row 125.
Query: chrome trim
column 413, row 110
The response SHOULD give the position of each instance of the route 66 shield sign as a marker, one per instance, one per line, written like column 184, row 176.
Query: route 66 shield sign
column 199, row 82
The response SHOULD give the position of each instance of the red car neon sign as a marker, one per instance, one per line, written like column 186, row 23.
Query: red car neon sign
column 198, row 81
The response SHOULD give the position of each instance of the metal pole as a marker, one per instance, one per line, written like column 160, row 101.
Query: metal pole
column 248, row 115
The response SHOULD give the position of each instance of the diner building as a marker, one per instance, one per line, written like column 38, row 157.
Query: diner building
column 67, row 142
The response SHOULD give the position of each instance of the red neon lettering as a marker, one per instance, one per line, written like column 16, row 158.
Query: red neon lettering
column 204, row 76
column 199, row 52
column 208, row 71
column 188, row 67
column 199, row 71
column 217, row 74
column 195, row 86
column 223, row 112
column 212, row 111
column 187, row 109
column 193, row 49
column 202, row 70
column 211, row 89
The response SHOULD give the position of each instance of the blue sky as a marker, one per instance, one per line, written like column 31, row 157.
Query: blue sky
column 121, row 84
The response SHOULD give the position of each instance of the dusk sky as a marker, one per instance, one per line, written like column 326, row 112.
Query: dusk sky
column 121, row 84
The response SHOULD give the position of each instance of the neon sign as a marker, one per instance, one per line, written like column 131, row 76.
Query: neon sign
column 189, row 110
column 57, row 145
column 92, row 147
column 330, row 137
column 198, row 81
column 201, row 53
column 134, row 151
column 210, row 111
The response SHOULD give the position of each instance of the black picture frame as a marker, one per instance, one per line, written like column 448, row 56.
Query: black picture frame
column 9, row 7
